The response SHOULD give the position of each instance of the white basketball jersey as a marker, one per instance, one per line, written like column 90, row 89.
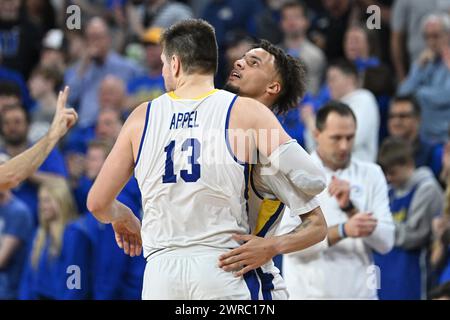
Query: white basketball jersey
column 271, row 196
column 264, row 212
column 193, row 190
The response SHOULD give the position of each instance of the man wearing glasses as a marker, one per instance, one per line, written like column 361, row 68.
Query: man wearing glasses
column 404, row 122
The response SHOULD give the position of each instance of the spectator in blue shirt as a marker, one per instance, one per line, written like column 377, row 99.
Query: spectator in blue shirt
column 16, row 227
column 227, row 16
column 19, row 38
column 54, row 51
column 267, row 21
column 415, row 199
column 429, row 79
column 47, row 268
column 404, row 121
column 114, row 274
column 111, row 97
column 14, row 128
column 375, row 76
column 13, row 84
column 151, row 85
column 85, row 77
column 10, row 93
column 44, row 85
column 97, row 152
column 107, row 129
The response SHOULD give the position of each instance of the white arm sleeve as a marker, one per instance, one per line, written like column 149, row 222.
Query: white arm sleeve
column 280, row 187
column 297, row 165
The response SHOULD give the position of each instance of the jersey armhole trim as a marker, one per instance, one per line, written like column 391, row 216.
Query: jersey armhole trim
column 227, row 122
column 252, row 184
column 271, row 221
column 143, row 133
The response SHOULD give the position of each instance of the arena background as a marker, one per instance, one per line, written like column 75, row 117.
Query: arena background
column 114, row 66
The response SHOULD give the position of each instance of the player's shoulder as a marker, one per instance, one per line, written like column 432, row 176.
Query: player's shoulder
column 136, row 121
column 249, row 106
column 139, row 113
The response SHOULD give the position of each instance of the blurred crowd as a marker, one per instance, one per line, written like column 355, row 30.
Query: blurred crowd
column 394, row 74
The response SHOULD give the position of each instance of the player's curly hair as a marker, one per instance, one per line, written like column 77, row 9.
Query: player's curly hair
column 292, row 72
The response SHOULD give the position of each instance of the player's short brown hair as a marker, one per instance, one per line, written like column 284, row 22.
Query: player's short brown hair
column 194, row 42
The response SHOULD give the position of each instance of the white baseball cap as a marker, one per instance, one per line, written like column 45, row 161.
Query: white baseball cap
column 53, row 39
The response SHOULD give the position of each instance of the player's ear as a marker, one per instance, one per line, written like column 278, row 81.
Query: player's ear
column 175, row 64
column 274, row 88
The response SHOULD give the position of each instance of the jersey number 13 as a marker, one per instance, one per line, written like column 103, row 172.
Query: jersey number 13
column 169, row 174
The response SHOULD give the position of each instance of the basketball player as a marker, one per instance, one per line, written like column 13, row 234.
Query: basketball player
column 278, row 82
column 190, row 150
column 23, row 165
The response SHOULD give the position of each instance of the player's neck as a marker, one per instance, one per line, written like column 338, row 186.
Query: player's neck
column 193, row 86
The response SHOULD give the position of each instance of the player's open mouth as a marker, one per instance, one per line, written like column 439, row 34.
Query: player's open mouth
column 234, row 75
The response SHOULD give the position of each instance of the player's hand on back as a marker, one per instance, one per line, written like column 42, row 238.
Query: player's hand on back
column 255, row 252
column 127, row 231
column 65, row 118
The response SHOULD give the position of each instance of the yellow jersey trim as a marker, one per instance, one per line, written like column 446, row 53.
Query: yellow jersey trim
column 172, row 95
column 267, row 209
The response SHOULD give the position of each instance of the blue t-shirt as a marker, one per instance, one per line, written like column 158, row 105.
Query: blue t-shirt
column 16, row 221
column 49, row 279
column 40, row 282
column 401, row 269
column 292, row 121
column 78, row 139
column 115, row 275
column 106, row 272
column 112, row 274
column 293, row 125
column 146, row 88
column 76, row 260
column 28, row 192
column 129, row 196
